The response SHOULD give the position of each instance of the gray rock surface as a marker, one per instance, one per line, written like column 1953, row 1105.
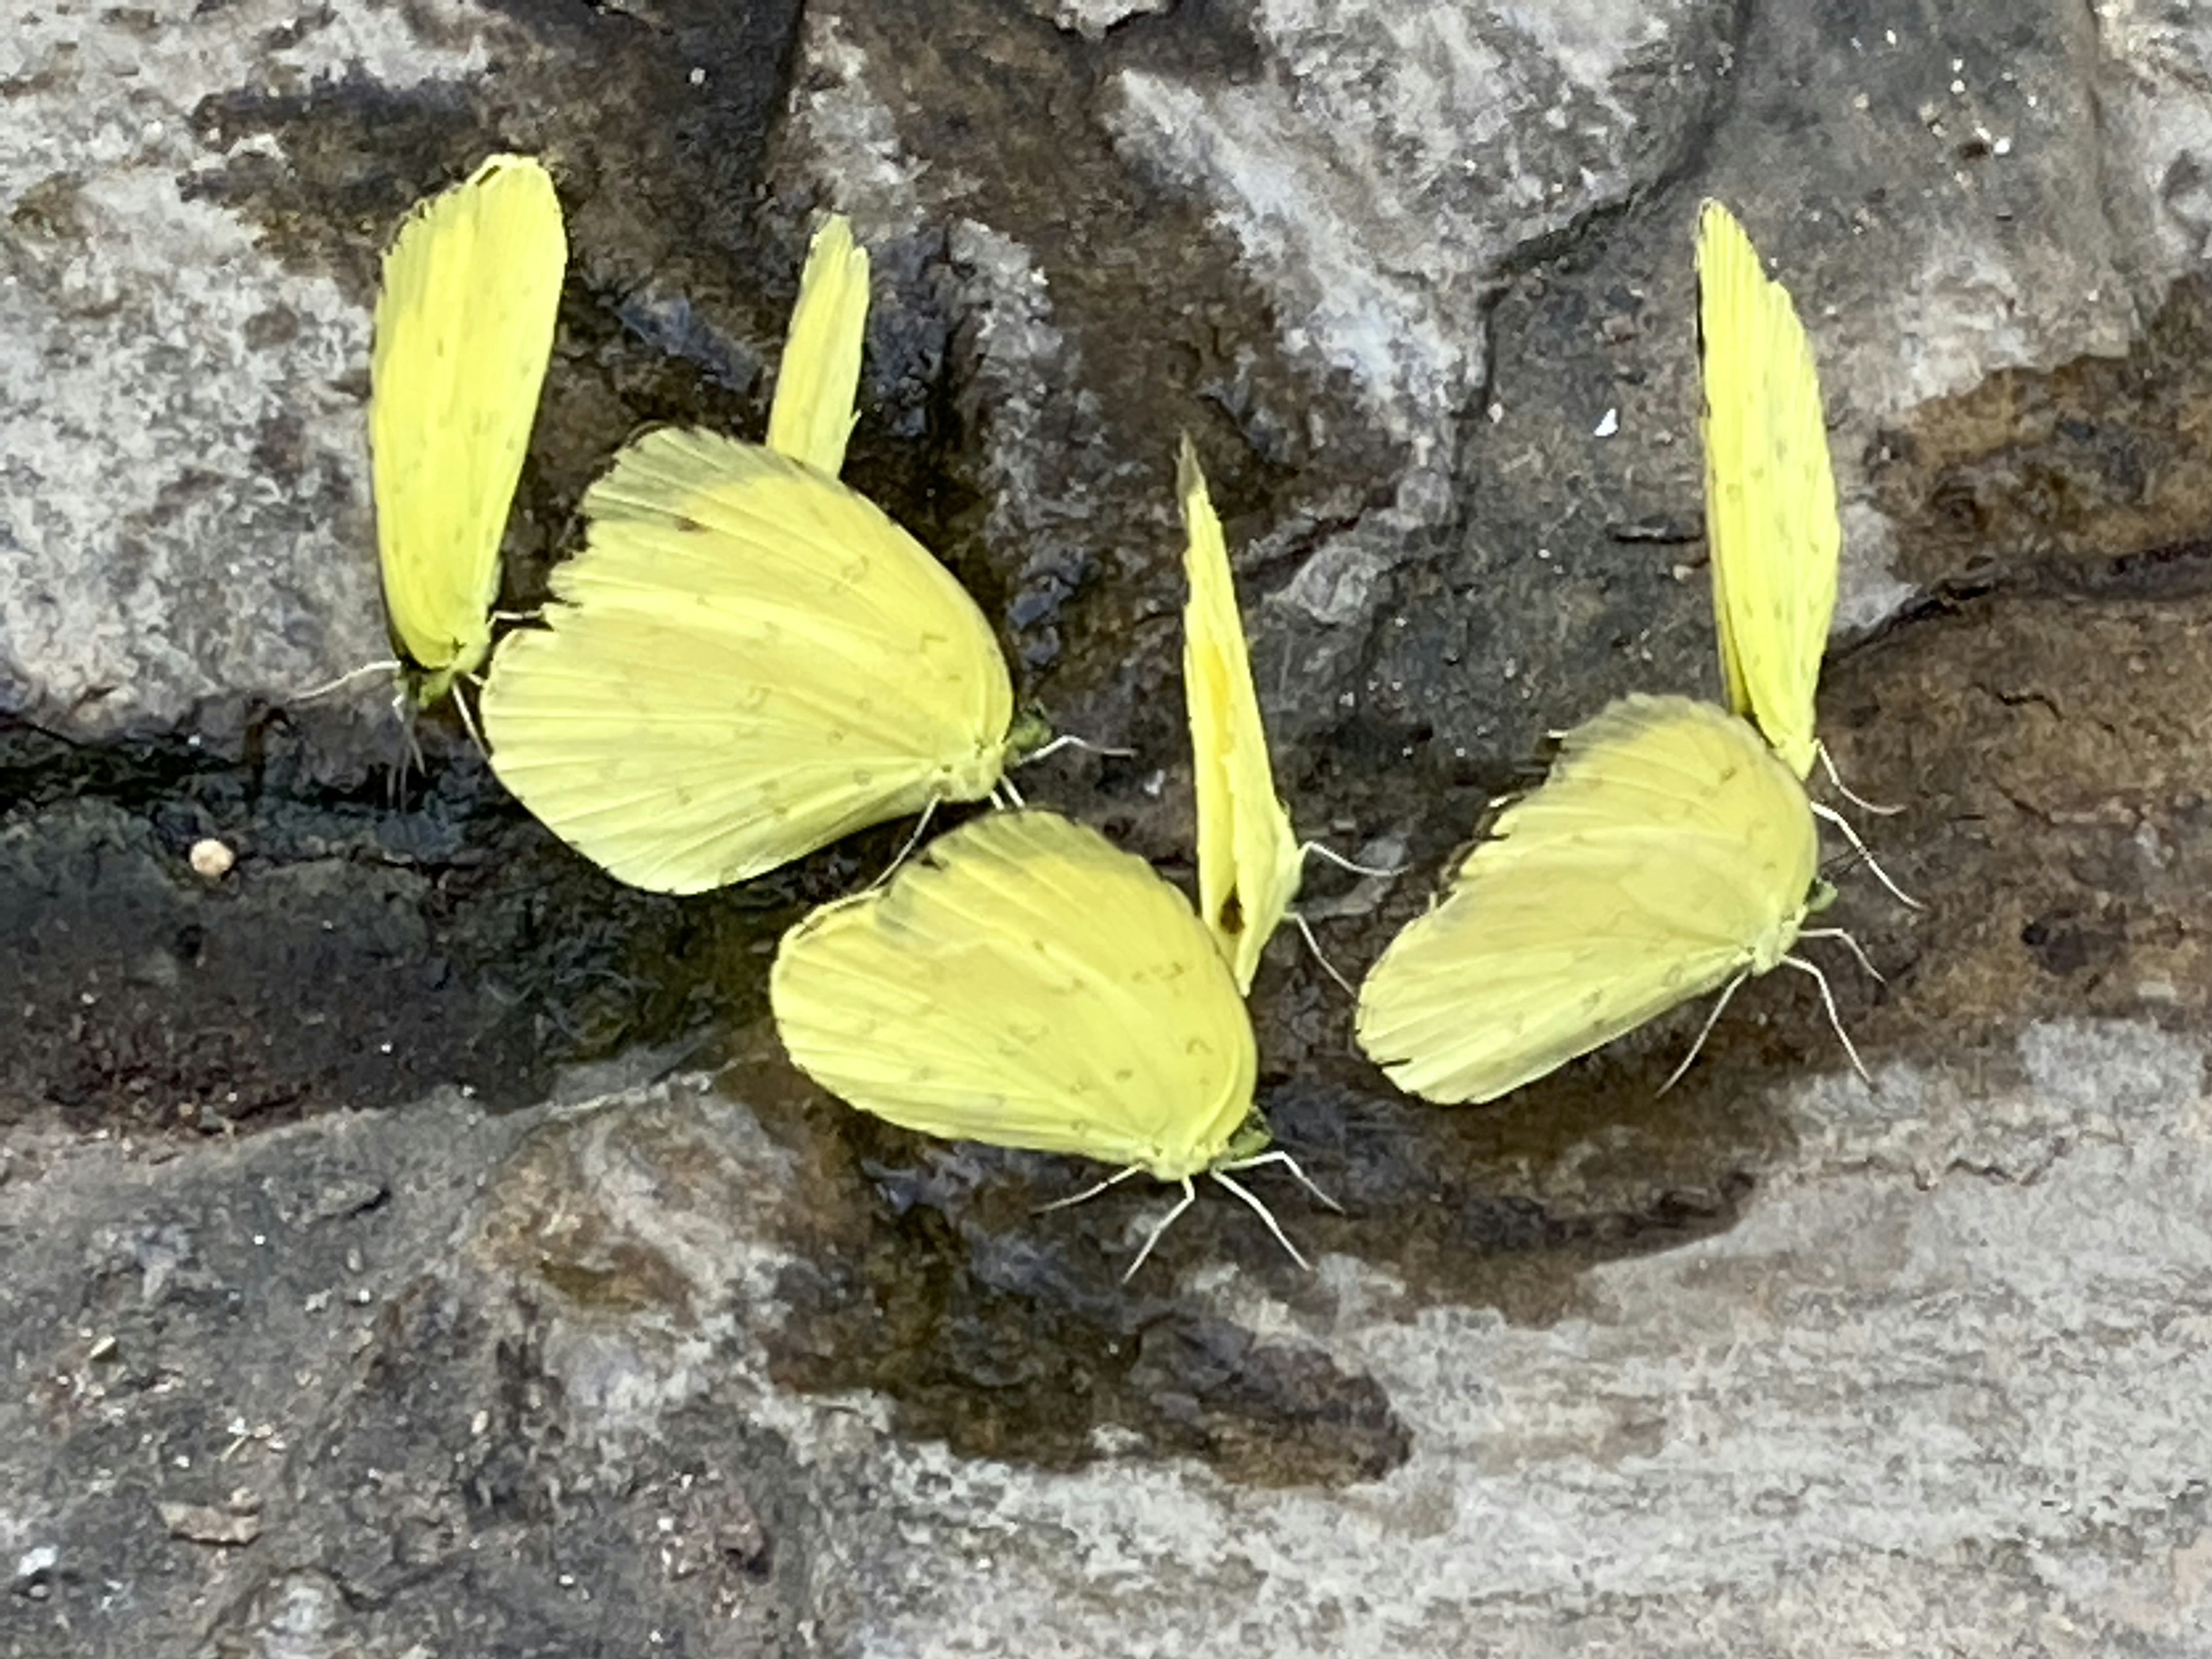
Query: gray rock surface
column 411, row 1243
column 525, row 1384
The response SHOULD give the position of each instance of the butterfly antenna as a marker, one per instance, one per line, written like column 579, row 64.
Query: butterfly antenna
column 1844, row 825
column 391, row 665
column 1277, row 1155
column 1330, row 855
column 1069, row 740
column 1088, row 1193
column 1264, row 1213
column 1189, row 1197
column 906, row 851
column 1828, row 1001
column 1828, row 765
column 1306, row 932
column 1704, row 1031
column 1852, row 945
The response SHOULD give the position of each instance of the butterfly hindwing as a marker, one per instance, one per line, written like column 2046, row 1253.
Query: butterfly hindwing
column 747, row 661
column 1669, row 850
column 464, row 331
column 813, row 415
column 1770, row 490
column 1248, row 857
column 1024, row 982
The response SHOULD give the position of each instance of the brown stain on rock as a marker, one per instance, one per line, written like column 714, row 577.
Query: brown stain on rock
column 2055, row 752
column 2092, row 474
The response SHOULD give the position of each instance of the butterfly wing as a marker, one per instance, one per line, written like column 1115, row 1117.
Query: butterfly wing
column 1770, row 492
column 813, row 413
column 463, row 330
column 1248, row 859
column 1669, row 850
column 747, row 661
column 1024, row 982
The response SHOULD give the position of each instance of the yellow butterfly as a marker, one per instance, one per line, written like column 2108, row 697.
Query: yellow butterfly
column 813, row 413
column 1673, row 848
column 1248, row 857
column 463, row 330
column 747, row 661
column 1024, row 982
column 1770, row 492
column 1669, row 851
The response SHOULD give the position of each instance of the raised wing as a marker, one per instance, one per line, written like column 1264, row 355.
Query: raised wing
column 813, row 413
column 1248, row 858
column 463, row 330
column 747, row 661
column 1669, row 850
column 1769, row 493
column 1026, row 983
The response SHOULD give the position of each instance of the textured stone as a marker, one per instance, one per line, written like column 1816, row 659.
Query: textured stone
column 1928, row 1381
column 314, row 1353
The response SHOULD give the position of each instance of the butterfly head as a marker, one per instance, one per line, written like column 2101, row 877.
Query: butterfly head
column 423, row 688
column 1029, row 733
column 1253, row 1137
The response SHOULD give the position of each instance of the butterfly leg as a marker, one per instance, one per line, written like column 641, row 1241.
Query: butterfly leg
column 469, row 720
column 410, row 749
column 1828, row 764
column 1277, row 1155
column 1844, row 825
column 1330, row 855
column 1006, row 797
column 1850, row 945
column 921, row 825
column 1189, row 1197
column 1264, row 1213
column 1828, row 1001
column 1306, row 932
column 1704, row 1031
column 1088, row 1193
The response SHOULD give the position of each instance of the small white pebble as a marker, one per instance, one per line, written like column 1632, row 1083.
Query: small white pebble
column 210, row 859
column 1608, row 423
